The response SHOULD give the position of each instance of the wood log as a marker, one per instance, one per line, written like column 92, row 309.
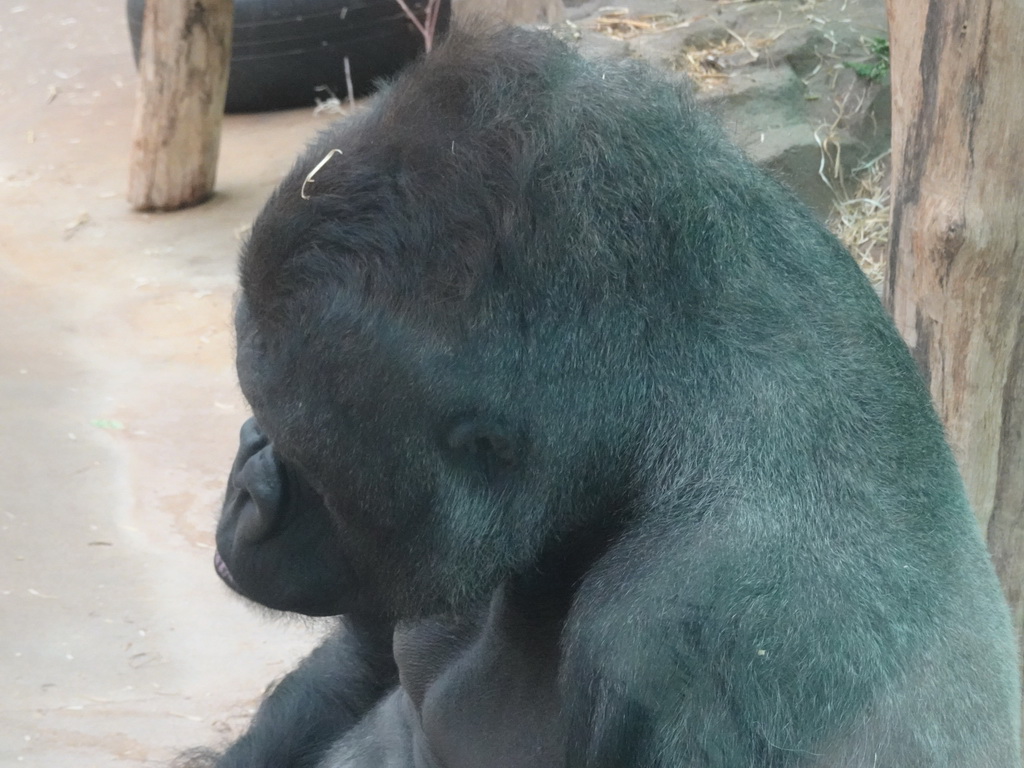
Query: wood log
column 183, row 75
column 956, row 273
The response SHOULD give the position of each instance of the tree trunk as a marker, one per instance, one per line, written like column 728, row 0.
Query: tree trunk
column 956, row 272
column 183, row 77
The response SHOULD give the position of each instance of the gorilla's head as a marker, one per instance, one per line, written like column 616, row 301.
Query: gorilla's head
column 435, row 337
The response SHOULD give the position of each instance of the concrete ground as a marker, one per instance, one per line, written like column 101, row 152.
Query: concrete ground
column 119, row 414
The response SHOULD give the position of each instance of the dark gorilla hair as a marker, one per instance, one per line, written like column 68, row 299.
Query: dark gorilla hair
column 540, row 355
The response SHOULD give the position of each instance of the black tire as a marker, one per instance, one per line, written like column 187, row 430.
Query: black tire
column 284, row 49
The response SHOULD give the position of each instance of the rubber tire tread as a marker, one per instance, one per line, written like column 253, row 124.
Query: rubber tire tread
column 282, row 50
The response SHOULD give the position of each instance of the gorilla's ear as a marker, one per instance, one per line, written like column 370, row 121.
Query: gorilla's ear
column 483, row 444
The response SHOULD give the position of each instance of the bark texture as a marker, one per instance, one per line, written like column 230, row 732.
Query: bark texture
column 183, row 75
column 956, row 275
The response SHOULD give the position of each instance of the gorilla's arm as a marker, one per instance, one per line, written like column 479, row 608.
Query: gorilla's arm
column 319, row 701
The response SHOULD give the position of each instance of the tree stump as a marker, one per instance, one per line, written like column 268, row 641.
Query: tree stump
column 183, row 76
column 956, row 271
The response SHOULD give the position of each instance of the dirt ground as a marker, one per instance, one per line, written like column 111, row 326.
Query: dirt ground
column 119, row 412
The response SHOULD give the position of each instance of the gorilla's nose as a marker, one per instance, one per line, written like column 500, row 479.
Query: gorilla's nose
column 262, row 480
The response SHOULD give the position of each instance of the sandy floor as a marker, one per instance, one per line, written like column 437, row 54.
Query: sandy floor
column 118, row 414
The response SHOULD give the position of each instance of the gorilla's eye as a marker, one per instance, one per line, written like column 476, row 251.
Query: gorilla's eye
column 484, row 444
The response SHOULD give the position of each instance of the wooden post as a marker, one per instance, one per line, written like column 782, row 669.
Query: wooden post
column 956, row 271
column 183, row 76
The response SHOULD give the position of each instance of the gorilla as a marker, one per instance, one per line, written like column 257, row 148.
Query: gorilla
column 600, row 448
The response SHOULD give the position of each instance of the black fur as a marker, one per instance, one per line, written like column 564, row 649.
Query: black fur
column 614, row 431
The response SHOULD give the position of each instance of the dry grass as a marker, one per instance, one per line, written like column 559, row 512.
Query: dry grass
column 861, row 221
column 860, row 217
column 622, row 25
column 706, row 65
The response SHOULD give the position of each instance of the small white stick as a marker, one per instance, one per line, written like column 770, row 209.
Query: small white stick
column 348, row 84
column 309, row 176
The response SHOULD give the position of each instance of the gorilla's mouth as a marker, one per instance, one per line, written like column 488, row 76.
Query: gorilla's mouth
column 222, row 570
